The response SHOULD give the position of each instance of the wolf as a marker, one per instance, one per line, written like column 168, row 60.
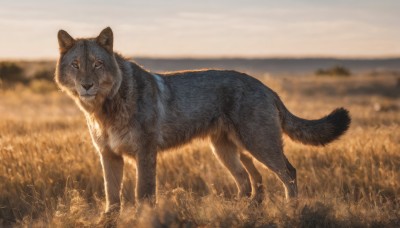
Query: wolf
column 134, row 113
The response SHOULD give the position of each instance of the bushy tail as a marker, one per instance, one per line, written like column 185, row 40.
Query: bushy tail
column 314, row 132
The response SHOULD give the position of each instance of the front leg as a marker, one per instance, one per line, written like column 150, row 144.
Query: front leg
column 146, row 175
column 112, row 170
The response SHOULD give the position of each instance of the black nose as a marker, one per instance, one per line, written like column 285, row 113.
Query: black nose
column 87, row 86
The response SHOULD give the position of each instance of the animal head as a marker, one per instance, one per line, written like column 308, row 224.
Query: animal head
column 87, row 68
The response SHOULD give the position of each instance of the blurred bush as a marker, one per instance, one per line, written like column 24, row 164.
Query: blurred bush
column 43, row 81
column 40, row 81
column 11, row 72
column 44, row 74
column 340, row 71
column 42, row 86
column 383, row 72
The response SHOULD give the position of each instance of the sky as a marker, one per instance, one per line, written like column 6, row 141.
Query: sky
column 207, row 28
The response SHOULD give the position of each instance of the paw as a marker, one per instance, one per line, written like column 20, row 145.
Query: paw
column 259, row 195
column 109, row 219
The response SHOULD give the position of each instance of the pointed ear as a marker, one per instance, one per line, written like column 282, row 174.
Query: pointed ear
column 106, row 39
column 65, row 41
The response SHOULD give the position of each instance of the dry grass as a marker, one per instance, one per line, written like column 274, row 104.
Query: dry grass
column 51, row 176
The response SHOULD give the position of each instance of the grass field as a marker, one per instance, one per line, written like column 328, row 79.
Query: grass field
column 50, row 175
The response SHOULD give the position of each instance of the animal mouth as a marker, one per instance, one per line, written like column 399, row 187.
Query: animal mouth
column 87, row 96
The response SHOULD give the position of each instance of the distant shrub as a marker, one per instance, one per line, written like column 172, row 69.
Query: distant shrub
column 340, row 71
column 42, row 86
column 43, row 81
column 11, row 72
column 379, row 73
column 45, row 74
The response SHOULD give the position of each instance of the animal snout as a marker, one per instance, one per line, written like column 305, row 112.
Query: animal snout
column 87, row 86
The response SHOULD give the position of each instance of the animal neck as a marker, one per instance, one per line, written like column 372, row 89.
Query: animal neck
column 122, row 102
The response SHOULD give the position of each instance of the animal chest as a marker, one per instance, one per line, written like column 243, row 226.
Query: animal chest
column 121, row 140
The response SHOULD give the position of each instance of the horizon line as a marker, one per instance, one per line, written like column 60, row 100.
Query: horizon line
column 216, row 57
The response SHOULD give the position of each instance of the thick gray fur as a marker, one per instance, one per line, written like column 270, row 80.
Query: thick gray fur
column 132, row 112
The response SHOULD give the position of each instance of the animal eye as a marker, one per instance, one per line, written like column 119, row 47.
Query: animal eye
column 98, row 64
column 75, row 65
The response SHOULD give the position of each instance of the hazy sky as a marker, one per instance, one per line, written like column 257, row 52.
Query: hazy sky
column 244, row 28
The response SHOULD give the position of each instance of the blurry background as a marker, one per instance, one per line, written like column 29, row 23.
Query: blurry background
column 317, row 55
column 175, row 35
column 225, row 28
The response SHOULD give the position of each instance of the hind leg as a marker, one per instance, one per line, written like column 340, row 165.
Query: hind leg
column 293, row 176
column 283, row 169
column 229, row 155
column 256, row 178
column 276, row 161
column 266, row 147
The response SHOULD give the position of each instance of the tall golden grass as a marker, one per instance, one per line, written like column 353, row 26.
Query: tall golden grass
column 50, row 174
